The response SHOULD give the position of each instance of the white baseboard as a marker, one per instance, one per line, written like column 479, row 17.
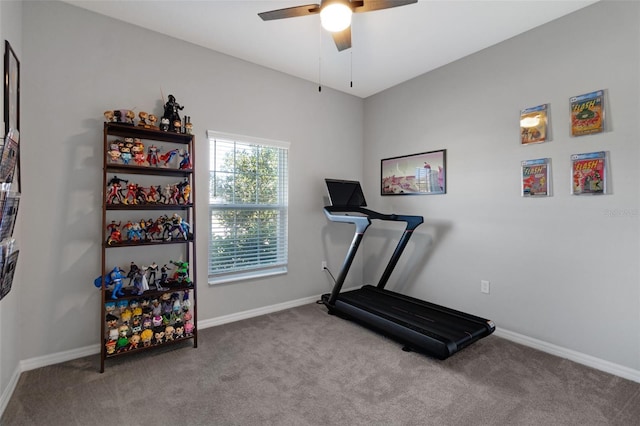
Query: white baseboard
column 580, row 358
column 8, row 391
column 255, row 312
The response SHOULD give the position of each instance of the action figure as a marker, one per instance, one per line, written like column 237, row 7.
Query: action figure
column 182, row 272
column 185, row 163
column 168, row 156
column 152, row 156
column 114, row 232
column 112, row 278
column 171, row 109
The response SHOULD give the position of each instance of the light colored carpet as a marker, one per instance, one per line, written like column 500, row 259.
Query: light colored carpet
column 304, row 367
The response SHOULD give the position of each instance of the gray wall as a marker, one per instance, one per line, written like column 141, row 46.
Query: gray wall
column 78, row 64
column 563, row 269
column 11, row 30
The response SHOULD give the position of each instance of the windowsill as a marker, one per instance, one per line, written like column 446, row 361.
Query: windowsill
column 241, row 276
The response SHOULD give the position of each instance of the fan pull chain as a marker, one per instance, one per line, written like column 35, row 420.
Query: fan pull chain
column 351, row 76
column 320, row 63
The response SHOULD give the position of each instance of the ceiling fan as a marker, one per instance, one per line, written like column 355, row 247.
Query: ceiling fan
column 335, row 15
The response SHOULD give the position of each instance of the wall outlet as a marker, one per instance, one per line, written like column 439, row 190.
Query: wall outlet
column 484, row 286
column 323, row 265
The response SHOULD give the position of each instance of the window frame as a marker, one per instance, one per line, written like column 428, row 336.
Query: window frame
column 256, row 271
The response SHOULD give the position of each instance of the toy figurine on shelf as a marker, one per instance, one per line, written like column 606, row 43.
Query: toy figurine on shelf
column 138, row 152
column 134, row 231
column 112, row 278
column 140, row 282
column 185, row 163
column 114, row 187
column 152, row 156
column 184, row 191
column 152, row 195
column 129, row 116
column 164, row 274
column 168, row 156
column 115, row 236
column 109, row 116
column 143, row 116
column 180, row 226
column 132, row 191
column 145, row 337
column 171, row 108
column 114, row 152
column 153, row 119
column 181, row 274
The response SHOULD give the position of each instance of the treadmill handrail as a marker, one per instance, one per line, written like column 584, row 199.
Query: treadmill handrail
column 362, row 221
column 331, row 211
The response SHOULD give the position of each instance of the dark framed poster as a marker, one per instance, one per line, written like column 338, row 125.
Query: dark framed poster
column 415, row 174
column 12, row 103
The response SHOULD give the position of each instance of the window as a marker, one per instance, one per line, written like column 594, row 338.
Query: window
column 248, row 198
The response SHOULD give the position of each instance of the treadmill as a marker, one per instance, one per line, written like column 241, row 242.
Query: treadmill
column 419, row 325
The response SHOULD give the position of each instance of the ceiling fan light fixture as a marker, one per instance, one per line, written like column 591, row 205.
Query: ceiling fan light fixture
column 335, row 16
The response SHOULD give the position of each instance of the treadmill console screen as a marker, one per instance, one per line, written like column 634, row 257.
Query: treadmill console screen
column 345, row 193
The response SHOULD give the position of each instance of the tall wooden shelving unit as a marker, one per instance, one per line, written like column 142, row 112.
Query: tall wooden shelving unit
column 170, row 304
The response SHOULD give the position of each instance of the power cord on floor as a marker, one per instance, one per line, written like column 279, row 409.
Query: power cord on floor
column 320, row 302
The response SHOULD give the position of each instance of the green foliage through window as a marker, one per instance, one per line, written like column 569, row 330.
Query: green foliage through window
column 247, row 206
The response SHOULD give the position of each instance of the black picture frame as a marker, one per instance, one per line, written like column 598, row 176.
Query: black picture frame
column 12, row 99
column 415, row 174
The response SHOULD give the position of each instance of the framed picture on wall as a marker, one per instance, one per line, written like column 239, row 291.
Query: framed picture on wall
column 535, row 177
column 589, row 173
column 533, row 124
column 12, row 107
column 415, row 174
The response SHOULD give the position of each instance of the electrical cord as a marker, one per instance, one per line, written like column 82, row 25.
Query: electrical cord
column 320, row 302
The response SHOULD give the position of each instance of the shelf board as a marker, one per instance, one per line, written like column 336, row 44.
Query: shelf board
column 129, row 131
column 134, row 169
column 149, row 206
column 148, row 243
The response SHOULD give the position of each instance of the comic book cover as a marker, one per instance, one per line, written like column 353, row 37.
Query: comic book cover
column 587, row 113
column 535, row 178
column 588, row 173
column 9, row 156
column 533, row 124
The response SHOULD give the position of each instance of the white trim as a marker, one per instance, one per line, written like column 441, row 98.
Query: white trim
column 238, row 316
column 8, row 391
column 580, row 358
column 58, row 357
column 212, row 134
column 247, row 275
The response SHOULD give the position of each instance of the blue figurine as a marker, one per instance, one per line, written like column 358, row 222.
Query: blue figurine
column 112, row 278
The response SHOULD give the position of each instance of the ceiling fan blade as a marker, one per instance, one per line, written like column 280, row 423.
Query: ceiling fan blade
column 342, row 39
column 371, row 5
column 290, row 12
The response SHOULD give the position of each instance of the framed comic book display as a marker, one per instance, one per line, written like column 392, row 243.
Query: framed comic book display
column 416, row 174
column 588, row 173
column 536, row 177
column 533, row 124
column 587, row 113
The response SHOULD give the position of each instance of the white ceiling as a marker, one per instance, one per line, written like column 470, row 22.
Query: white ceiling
column 389, row 46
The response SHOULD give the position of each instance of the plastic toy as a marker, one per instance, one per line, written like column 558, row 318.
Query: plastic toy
column 168, row 156
column 182, row 272
column 185, row 163
column 112, row 278
column 145, row 337
column 152, row 156
column 115, row 236
column 138, row 152
column 171, row 108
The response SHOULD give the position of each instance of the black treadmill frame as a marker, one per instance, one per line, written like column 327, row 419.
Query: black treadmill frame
column 421, row 326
